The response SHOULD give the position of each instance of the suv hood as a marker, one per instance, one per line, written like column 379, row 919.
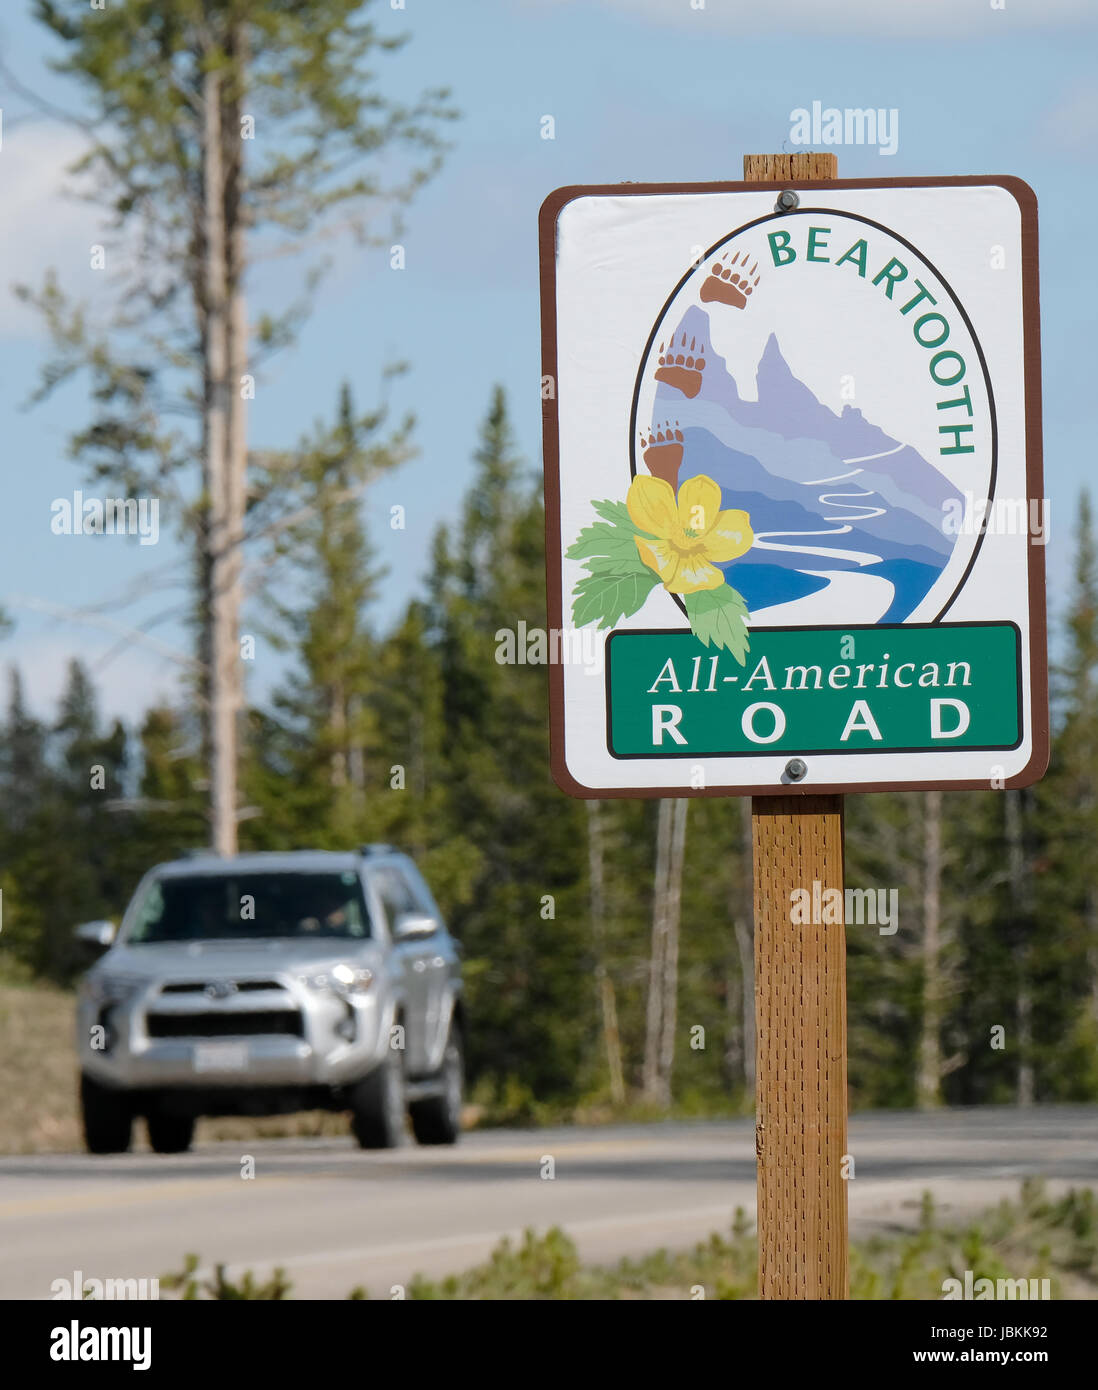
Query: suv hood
column 173, row 960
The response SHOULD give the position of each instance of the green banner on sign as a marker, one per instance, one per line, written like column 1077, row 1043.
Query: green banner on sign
column 815, row 690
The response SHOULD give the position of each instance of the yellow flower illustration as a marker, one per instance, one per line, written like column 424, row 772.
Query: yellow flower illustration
column 691, row 534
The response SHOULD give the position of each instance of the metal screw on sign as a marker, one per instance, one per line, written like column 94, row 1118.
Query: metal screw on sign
column 795, row 769
column 787, row 201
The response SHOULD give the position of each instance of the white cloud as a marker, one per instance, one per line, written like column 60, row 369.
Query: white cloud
column 1073, row 123
column 41, row 227
column 857, row 18
column 132, row 681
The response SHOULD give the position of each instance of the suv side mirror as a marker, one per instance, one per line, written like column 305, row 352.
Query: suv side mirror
column 414, row 926
column 100, row 934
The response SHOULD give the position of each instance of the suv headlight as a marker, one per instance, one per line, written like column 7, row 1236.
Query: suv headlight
column 112, row 989
column 340, row 979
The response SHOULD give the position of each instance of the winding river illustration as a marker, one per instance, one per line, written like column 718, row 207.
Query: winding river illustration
column 837, row 506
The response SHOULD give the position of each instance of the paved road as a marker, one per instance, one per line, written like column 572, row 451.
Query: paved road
column 335, row 1217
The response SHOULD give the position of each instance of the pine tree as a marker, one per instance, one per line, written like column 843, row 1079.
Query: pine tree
column 22, row 764
column 524, row 923
column 1065, row 1013
column 25, row 786
column 65, row 848
column 168, row 814
column 321, row 734
column 215, row 126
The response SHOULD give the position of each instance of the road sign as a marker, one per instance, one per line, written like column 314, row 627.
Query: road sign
column 795, row 515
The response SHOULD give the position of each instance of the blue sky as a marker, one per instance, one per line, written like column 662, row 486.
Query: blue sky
column 638, row 89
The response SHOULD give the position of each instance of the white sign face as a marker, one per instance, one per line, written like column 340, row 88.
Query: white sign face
column 793, row 487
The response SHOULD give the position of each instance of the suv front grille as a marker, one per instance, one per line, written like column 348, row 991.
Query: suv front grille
column 238, row 986
column 282, row 1022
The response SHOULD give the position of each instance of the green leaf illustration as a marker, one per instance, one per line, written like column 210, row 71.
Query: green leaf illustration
column 608, row 597
column 617, row 513
column 607, row 565
column 610, row 542
column 717, row 617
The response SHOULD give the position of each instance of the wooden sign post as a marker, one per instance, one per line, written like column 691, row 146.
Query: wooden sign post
column 800, row 1004
column 800, row 1030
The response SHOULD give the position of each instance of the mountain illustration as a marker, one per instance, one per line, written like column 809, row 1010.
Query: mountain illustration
column 836, row 503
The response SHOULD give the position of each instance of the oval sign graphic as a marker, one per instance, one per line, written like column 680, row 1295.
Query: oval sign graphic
column 820, row 371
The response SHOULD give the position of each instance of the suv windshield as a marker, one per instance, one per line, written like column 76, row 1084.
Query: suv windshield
column 241, row 907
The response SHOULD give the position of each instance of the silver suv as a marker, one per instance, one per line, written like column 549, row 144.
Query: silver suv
column 269, row 983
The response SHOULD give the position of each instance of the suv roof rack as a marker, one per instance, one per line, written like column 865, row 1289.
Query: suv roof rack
column 378, row 848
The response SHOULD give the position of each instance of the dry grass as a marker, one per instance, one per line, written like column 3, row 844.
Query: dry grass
column 38, row 1103
column 38, row 1097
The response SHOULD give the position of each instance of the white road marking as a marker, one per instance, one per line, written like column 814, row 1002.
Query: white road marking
column 413, row 1247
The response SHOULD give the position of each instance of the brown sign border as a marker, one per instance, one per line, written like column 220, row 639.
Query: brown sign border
column 1026, row 199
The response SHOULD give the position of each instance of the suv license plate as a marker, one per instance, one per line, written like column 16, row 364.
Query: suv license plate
column 220, row 1056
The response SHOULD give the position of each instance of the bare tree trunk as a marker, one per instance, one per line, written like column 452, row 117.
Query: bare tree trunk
column 739, row 1050
column 1019, row 896
column 598, row 931
column 418, row 771
column 236, row 472
column 654, row 1015
column 224, row 656
column 1090, row 919
column 225, row 344
column 1092, row 949
column 929, row 1078
column 356, row 756
column 337, row 727
column 670, row 1019
column 744, row 920
column 1025, row 1092
column 732, row 1056
column 740, row 983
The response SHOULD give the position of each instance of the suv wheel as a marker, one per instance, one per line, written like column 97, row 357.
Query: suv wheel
column 377, row 1104
column 438, row 1120
column 170, row 1134
column 107, row 1116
